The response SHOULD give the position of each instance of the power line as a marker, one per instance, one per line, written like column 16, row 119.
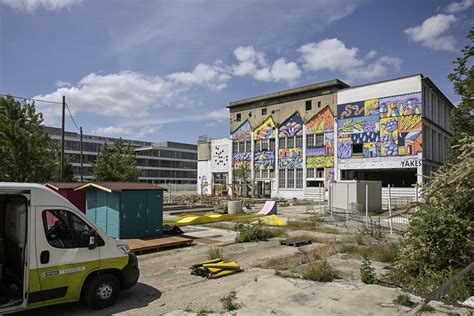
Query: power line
column 31, row 99
column 45, row 101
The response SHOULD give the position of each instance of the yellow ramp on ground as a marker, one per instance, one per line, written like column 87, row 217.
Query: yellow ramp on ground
column 271, row 220
column 193, row 219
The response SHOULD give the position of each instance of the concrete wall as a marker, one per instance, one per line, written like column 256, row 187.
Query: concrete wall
column 204, row 178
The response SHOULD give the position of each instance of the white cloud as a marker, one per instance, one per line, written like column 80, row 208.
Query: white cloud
column 61, row 83
column 33, row 5
column 431, row 33
column 455, row 7
column 332, row 54
column 254, row 63
column 214, row 77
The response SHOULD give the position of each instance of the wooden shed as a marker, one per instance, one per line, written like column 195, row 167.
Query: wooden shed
column 67, row 189
column 124, row 209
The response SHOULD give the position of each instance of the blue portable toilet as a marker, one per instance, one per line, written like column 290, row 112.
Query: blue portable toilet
column 125, row 210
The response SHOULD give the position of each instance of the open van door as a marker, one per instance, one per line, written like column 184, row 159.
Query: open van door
column 14, row 251
column 63, row 254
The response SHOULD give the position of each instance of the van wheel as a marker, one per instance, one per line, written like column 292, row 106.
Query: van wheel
column 101, row 291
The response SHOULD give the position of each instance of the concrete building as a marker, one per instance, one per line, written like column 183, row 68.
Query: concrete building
column 214, row 166
column 294, row 142
column 163, row 162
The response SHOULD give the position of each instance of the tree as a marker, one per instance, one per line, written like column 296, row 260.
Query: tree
column 27, row 153
column 440, row 237
column 462, row 117
column 116, row 163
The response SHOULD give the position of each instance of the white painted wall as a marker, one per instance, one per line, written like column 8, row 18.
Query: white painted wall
column 380, row 90
column 204, row 176
column 220, row 154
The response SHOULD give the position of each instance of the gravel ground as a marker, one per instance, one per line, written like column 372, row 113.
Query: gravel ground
column 167, row 287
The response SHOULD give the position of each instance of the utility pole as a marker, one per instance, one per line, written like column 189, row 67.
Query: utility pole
column 61, row 176
column 81, row 158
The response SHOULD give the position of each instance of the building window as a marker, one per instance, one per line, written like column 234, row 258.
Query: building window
column 291, row 178
column 310, row 140
column 310, row 172
column 299, row 178
column 282, row 143
column 319, row 139
column 308, row 105
column 299, row 141
column 320, row 173
column 238, row 117
column 357, row 148
column 264, row 111
column 272, row 144
column 282, row 179
column 319, row 104
column 290, row 142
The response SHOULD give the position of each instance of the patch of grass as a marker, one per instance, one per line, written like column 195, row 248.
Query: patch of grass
column 386, row 252
column 404, row 300
column 309, row 223
column 367, row 272
column 320, row 271
column 214, row 253
column 256, row 232
column 228, row 302
column 329, row 230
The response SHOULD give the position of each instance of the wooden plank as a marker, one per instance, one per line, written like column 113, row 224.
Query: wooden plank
column 157, row 243
column 295, row 242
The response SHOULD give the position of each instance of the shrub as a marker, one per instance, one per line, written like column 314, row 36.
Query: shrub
column 320, row 271
column 228, row 302
column 255, row 232
column 404, row 300
column 214, row 253
column 367, row 272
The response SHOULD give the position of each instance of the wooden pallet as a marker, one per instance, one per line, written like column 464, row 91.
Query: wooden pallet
column 149, row 244
column 295, row 242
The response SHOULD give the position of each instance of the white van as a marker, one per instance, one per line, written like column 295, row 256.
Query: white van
column 51, row 253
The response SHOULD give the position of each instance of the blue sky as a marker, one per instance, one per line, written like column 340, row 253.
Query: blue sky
column 166, row 70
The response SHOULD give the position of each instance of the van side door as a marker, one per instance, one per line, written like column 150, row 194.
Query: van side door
column 63, row 255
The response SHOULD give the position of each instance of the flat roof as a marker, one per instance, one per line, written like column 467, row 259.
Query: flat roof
column 314, row 86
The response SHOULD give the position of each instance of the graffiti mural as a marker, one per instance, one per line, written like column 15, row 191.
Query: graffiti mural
column 316, row 151
column 290, row 158
column 243, row 164
column 264, row 160
column 371, row 107
column 388, row 126
column 320, row 161
column 204, row 184
column 243, row 132
column 328, row 177
column 242, row 156
column 348, row 110
column 266, row 130
column 409, row 135
column 329, row 143
column 371, row 149
column 293, row 126
column 344, row 148
column 407, row 104
column 322, row 122
column 389, row 136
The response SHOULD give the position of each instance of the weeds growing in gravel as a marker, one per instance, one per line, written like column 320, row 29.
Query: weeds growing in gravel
column 256, row 232
column 404, row 300
column 228, row 302
column 320, row 271
column 367, row 272
column 386, row 252
column 214, row 253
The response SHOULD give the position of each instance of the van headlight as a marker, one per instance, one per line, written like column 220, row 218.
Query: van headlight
column 124, row 249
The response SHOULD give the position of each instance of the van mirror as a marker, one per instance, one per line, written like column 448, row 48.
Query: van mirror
column 92, row 239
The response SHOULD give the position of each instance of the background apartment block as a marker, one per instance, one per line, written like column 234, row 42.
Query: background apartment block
column 163, row 162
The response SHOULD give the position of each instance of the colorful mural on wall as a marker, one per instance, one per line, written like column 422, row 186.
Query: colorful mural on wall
column 348, row 110
column 242, row 156
column 328, row 177
column 264, row 160
column 265, row 130
column 204, row 184
column 329, row 143
column 243, row 132
column 243, row 164
column 406, row 104
column 389, row 126
column 321, row 123
column 319, row 161
column 290, row 158
column 316, row 151
column 293, row 126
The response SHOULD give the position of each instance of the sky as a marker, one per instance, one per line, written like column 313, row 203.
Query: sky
column 166, row 70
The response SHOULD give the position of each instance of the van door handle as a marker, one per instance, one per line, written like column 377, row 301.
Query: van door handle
column 44, row 257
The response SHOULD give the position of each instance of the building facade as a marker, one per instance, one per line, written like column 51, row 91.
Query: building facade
column 214, row 166
column 293, row 143
column 163, row 162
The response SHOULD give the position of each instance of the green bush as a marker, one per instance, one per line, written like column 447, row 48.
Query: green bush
column 214, row 253
column 367, row 272
column 256, row 232
column 320, row 271
column 404, row 300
